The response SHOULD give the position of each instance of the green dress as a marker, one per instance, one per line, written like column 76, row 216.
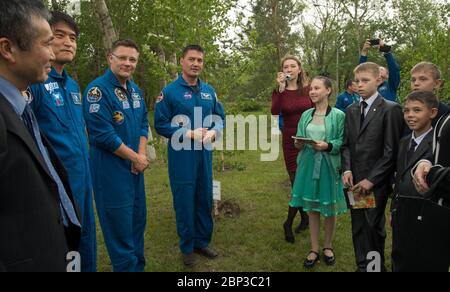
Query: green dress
column 317, row 187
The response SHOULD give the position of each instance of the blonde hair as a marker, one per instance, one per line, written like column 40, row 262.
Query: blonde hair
column 302, row 80
column 368, row 67
column 427, row 66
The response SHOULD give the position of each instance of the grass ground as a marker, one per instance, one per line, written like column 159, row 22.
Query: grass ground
column 254, row 242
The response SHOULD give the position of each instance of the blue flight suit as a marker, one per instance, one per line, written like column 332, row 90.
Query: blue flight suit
column 190, row 170
column 345, row 99
column 389, row 88
column 116, row 116
column 57, row 105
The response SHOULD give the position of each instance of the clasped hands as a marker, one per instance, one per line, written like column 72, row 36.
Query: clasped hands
column 139, row 164
column 202, row 135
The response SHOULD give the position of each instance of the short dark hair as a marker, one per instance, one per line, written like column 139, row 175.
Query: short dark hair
column 348, row 83
column 58, row 17
column 327, row 82
column 124, row 43
column 426, row 97
column 197, row 48
column 16, row 20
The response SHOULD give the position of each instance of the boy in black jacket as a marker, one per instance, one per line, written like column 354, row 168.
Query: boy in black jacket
column 421, row 107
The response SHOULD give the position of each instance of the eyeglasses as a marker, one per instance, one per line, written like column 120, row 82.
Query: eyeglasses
column 125, row 58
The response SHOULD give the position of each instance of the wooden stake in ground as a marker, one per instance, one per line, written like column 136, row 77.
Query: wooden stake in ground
column 217, row 196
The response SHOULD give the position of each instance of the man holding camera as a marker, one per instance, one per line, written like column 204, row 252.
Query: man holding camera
column 391, row 75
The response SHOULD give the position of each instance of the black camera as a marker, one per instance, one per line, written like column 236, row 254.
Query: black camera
column 374, row 42
column 385, row 49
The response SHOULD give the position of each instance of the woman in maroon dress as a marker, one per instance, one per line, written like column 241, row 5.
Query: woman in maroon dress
column 290, row 100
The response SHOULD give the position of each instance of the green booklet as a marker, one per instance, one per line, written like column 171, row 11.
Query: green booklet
column 306, row 140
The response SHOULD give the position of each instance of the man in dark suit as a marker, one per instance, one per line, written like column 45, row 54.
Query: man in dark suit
column 373, row 129
column 38, row 221
column 408, row 254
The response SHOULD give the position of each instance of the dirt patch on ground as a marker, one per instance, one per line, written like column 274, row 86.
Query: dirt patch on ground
column 229, row 209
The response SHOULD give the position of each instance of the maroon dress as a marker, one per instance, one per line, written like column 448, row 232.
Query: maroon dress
column 291, row 104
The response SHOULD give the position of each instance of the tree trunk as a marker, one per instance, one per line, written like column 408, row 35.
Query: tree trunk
column 106, row 25
column 162, row 59
column 173, row 61
column 276, row 29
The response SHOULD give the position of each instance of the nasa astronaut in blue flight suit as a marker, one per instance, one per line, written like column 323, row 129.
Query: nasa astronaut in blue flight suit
column 58, row 108
column 191, row 117
column 117, row 123
column 348, row 97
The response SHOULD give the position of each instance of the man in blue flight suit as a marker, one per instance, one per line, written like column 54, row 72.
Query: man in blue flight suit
column 190, row 114
column 348, row 97
column 391, row 76
column 117, row 123
column 57, row 106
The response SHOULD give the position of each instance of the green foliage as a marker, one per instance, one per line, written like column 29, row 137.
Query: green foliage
column 327, row 35
column 226, row 161
column 160, row 28
column 249, row 105
column 267, row 37
column 422, row 34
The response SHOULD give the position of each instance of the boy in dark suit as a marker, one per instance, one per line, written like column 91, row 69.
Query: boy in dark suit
column 421, row 108
column 373, row 129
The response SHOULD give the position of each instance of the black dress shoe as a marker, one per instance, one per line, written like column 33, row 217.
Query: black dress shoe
column 189, row 260
column 329, row 261
column 207, row 252
column 309, row 264
column 288, row 235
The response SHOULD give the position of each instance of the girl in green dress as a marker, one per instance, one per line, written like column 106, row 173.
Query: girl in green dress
column 318, row 187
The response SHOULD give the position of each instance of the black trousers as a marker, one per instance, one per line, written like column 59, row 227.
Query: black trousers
column 369, row 233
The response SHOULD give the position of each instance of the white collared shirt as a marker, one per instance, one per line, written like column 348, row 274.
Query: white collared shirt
column 419, row 140
column 369, row 102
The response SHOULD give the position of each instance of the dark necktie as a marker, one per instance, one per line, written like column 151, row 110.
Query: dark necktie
column 67, row 208
column 363, row 105
column 411, row 151
column 26, row 117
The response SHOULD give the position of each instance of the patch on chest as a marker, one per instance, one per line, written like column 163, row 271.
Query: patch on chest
column 76, row 97
column 206, row 96
column 94, row 108
column 126, row 105
column 94, row 95
column 118, row 117
column 58, row 99
column 52, row 86
column 135, row 96
column 187, row 95
column 120, row 95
